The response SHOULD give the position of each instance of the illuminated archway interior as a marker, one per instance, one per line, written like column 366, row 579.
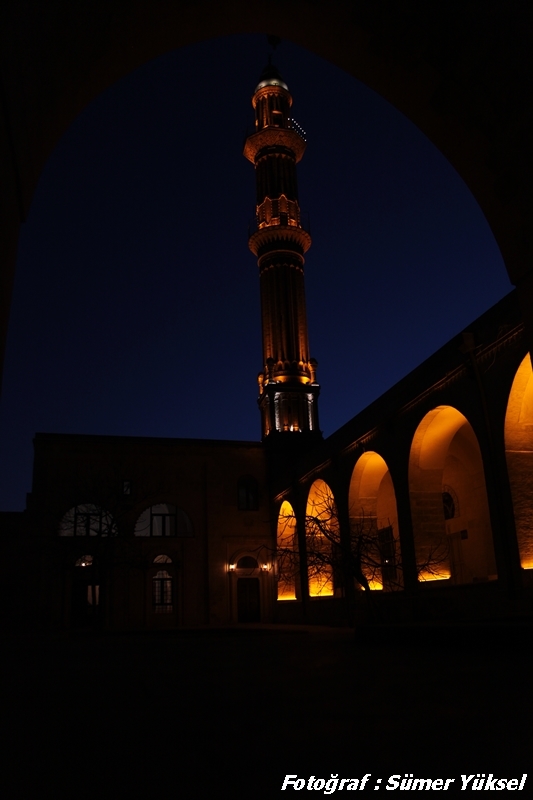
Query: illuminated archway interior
column 321, row 533
column 372, row 503
column 287, row 552
column 519, row 454
column 451, row 522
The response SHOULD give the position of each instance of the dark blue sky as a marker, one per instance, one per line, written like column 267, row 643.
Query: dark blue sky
column 136, row 302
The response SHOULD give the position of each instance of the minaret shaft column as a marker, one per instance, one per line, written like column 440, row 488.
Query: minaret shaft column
column 283, row 312
column 275, row 174
column 287, row 384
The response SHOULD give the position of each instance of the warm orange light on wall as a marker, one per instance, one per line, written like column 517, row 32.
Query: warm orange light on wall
column 321, row 506
column 286, row 545
column 519, row 455
column 520, row 408
column 451, row 545
column 372, row 503
column 442, row 575
column 286, row 525
column 437, row 431
column 321, row 586
column 286, row 595
column 365, row 482
column 320, row 501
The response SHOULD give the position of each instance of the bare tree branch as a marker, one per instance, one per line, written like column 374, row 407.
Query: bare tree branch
column 366, row 553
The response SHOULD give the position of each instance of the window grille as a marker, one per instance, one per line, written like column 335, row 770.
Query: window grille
column 87, row 520
column 162, row 592
column 164, row 520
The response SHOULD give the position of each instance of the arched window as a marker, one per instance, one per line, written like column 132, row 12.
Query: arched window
column 162, row 559
column 450, row 504
column 248, row 493
column 164, row 520
column 87, row 520
column 162, row 592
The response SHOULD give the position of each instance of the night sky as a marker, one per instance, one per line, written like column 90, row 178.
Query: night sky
column 136, row 303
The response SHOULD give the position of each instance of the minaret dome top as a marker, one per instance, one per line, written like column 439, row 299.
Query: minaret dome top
column 270, row 77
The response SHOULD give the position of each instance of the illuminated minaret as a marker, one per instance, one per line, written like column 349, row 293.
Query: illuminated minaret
column 288, row 391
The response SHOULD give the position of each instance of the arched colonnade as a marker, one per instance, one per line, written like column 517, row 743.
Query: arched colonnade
column 344, row 523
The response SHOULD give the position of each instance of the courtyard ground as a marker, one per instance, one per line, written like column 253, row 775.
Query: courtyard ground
column 230, row 712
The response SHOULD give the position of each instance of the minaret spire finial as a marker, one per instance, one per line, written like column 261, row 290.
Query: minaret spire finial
column 274, row 42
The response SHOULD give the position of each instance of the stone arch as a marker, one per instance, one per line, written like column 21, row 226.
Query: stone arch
column 519, row 455
column 321, row 533
column 287, row 553
column 371, row 491
column 372, row 506
column 445, row 455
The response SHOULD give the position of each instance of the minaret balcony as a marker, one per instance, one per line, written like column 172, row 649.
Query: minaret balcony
column 279, row 237
column 274, row 137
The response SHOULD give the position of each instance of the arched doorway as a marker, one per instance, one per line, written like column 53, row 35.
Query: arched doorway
column 449, row 505
column 247, row 588
column 374, row 521
column 519, row 455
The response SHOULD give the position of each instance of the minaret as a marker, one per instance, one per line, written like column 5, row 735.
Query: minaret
column 288, row 391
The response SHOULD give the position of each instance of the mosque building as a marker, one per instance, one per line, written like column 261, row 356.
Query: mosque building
column 419, row 507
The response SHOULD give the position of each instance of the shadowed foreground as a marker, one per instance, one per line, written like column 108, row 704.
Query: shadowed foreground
column 233, row 711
